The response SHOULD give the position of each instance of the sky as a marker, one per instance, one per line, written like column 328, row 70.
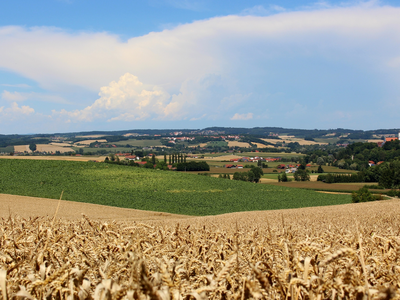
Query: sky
column 83, row 65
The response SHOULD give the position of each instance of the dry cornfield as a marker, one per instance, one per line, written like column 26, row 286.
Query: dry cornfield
column 344, row 252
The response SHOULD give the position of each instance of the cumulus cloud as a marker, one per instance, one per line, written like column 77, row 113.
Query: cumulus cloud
column 242, row 117
column 15, row 110
column 128, row 99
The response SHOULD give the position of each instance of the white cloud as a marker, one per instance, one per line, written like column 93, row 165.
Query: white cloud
column 242, row 117
column 54, row 58
column 125, row 100
column 19, row 97
column 128, row 99
column 19, row 85
column 10, row 96
column 213, row 68
column 16, row 111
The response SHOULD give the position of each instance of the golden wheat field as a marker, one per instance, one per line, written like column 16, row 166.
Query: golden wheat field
column 56, row 157
column 338, row 252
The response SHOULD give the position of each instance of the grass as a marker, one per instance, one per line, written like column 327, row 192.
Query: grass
column 153, row 190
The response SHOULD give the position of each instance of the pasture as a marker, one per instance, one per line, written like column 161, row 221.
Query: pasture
column 139, row 188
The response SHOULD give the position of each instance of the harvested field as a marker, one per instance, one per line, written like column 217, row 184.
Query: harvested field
column 238, row 144
column 61, row 144
column 262, row 146
column 95, row 136
column 44, row 148
column 26, row 207
column 22, row 148
column 292, row 139
column 222, row 157
column 336, row 252
column 214, row 170
column 318, row 185
column 58, row 157
column 88, row 142
column 53, row 148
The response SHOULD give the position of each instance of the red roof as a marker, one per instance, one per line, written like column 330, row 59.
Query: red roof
column 389, row 139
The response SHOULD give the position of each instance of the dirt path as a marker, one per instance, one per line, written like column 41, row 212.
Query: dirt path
column 69, row 210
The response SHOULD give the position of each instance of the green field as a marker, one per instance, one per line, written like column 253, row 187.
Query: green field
column 145, row 189
column 7, row 149
column 139, row 143
column 217, row 144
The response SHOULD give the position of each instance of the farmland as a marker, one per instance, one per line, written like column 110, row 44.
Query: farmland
column 341, row 252
column 145, row 189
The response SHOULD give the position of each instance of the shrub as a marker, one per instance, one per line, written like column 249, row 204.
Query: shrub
column 374, row 187
column 284, row 177
column 393, row 193
column 362, row 195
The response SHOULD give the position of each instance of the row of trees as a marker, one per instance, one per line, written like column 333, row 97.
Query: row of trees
column 386, row 174
column 192, row 166
column 175, row 158
column 355, row 156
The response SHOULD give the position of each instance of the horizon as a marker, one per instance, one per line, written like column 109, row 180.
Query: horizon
column 69, row 66
column 397, row 130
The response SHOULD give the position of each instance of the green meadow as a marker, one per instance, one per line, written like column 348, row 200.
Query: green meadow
column 155, row 190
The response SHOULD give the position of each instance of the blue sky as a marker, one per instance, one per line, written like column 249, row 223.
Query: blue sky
column 69, row 65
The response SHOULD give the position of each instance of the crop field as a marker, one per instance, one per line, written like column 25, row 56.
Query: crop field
column 88, row 142
column 238, row 144
column 93, row 136
column 140, row 143
column 341, row 252
column 271, row 154
column 217, row 144
column 263, row 146
column 318, row 185
column 146, row 189
column 44, row 148
column 55, row 158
